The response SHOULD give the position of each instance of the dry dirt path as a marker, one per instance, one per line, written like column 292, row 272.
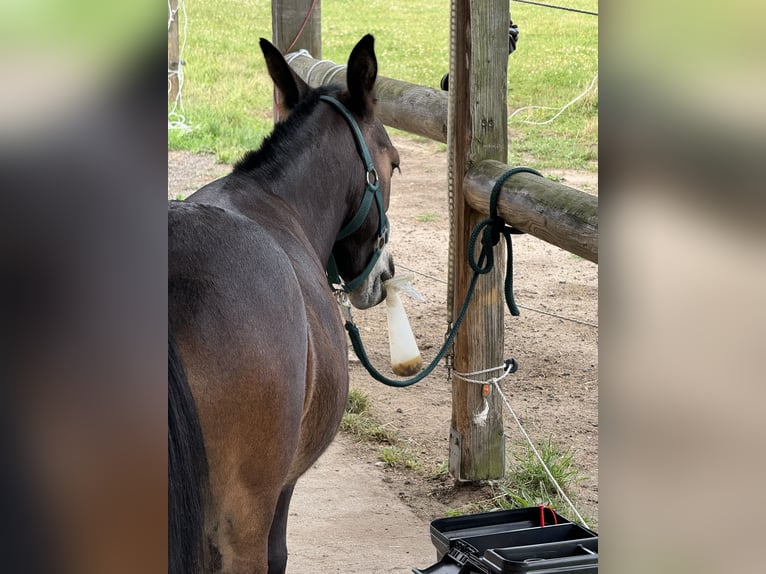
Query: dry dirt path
column 344, row 518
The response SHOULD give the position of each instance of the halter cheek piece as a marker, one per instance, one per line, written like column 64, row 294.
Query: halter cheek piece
column 371, row 191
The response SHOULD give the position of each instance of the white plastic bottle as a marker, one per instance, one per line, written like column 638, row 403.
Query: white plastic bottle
column 405, row 355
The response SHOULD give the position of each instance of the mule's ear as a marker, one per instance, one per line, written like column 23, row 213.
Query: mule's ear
column 362, row 71
column 292, row 87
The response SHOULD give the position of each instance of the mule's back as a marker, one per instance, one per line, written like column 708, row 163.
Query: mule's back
column 257, row 326
column 237, row 310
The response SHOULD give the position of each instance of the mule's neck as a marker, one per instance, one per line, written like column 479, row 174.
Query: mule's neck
column 319, row 173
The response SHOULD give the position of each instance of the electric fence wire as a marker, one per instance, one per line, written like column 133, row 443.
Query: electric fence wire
column 439, row 280
column 568, row 9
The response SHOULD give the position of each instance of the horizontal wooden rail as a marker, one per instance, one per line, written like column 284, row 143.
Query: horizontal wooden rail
column 560, row 215
column 416, row 109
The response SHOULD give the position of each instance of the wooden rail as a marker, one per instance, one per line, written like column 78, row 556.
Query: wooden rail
column 555, row 213
column 416, row 109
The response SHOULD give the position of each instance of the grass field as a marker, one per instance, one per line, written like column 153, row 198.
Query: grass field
column 227, row 93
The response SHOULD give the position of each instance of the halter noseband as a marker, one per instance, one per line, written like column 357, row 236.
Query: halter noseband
column 371, row 191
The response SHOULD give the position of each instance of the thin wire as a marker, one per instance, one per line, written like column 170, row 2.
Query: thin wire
column 438, row 280
column 561, row 110
column 558, row 7
column 539, row 458
column 587, row 323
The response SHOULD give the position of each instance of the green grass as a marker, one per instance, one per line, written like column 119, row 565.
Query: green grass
column 400, row 457
column 529, row 474
column 227, row 93
column 358, row 422
column 426, row 217
column 357, row 402
column 527, row 483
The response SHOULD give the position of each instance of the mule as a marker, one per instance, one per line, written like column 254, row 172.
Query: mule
column 257, row 356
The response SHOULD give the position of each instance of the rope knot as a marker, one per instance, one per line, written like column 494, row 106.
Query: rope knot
column 490, row 230
column 496, row 229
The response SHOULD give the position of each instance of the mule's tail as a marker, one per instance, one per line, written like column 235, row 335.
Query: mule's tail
column 187, row 473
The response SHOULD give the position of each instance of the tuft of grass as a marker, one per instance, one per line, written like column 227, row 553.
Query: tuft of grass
column 400, row 457
column 426, row 217
column 362, row 427
column 442, row 470
column 357, row 403
column 358, row 422
column 529, row 485
column 529, row 474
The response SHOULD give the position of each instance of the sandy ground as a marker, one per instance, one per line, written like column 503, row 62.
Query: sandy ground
column 344, row 518
column 351, row 513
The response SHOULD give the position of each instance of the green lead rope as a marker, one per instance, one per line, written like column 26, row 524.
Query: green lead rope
column 490, row 229
column 356, row 342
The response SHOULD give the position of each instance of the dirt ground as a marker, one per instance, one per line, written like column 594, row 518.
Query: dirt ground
column 554, row 392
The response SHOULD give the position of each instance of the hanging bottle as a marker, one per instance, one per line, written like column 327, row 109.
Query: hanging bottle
column 405, row 355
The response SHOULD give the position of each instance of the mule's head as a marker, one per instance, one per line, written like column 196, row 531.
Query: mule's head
column 360, row 253
column 355, row 253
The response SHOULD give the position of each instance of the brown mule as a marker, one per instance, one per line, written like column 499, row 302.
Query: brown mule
column 258, row 334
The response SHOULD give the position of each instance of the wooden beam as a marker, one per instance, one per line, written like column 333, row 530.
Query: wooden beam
column 478, row 131
column 416, row 109
column 287, row 17
column 289, row 34
column 560, row 215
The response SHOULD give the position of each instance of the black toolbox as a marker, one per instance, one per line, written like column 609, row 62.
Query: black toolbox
column 536, row 540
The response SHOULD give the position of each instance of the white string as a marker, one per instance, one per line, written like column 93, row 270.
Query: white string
column 292, row 55
column 332, row 73
column 314, row 65
column 176, row 117
column 560, row 110
column 480, row 417
column 539, row 458
column 465, row 376
column 329, row 73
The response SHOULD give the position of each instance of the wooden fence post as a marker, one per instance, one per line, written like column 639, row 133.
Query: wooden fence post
column 477, row 131
column 173, row 51
column 289, row 34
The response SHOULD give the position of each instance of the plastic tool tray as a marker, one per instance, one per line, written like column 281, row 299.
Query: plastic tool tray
column 512, row 542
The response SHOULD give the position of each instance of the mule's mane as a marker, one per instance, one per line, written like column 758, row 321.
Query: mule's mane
column 272, row 153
